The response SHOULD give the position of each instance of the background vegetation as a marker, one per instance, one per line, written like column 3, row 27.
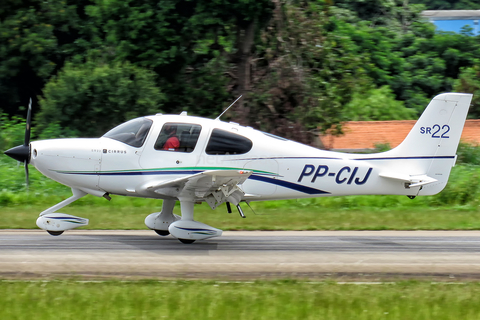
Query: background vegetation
column 302, row 66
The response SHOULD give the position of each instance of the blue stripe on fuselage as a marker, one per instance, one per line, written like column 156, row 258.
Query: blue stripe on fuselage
column 290, row 185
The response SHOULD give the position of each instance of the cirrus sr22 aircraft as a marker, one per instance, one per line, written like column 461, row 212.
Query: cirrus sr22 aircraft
column 218, row 162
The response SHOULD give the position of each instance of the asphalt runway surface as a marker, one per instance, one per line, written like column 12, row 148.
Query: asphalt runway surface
column 242, row 255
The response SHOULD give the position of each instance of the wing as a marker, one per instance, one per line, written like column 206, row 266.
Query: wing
column 213, row 186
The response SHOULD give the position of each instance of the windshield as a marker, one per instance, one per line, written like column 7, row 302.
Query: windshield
column 133, row 132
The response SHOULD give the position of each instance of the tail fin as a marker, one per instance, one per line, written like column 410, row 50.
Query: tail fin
column 431, row 145
column 438, row 130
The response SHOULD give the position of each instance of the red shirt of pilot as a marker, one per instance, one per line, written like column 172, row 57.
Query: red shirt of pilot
column 172, row 144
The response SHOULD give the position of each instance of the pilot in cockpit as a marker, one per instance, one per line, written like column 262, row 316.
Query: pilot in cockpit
column 172, row 143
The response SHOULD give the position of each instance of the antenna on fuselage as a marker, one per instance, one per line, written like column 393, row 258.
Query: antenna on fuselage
column 217, row 118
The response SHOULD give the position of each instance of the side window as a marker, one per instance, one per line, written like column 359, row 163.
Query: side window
column 180, row 137
column 224, row 142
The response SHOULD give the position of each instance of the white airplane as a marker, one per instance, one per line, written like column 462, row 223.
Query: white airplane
column 193, row 160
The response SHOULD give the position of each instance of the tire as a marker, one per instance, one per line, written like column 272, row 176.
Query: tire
column 186, row 241
column 55, row 233
column 162, row 233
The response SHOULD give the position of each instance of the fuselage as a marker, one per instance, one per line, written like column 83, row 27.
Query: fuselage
column 131, row 156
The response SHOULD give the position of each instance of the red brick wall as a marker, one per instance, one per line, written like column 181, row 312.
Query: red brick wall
column 365, row 134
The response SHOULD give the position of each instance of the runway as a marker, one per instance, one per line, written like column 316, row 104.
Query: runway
column 242, row 255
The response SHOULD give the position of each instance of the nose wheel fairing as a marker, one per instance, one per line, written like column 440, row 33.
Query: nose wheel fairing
column 59, row 222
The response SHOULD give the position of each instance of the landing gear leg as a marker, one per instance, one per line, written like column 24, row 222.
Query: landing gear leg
column 160, row 221
column 187, row 215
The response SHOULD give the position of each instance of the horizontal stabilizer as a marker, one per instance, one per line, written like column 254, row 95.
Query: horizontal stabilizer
column 413, row 181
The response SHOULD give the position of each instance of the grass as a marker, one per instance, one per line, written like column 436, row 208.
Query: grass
column 301, row 218
column 241, row 300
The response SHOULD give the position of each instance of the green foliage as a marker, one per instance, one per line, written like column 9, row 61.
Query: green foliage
column 396, row 15
column 304, row 74
column 431, row 65
column 35, row 38
column 381, row 147
column 204, row 89
column 12, row 132
column 469, row 82
column 468, row 154
column 417, row 64
column 463, row 188
column 91, row 98
column 54, row 130
column 377, row 104
column 181, row 40
column 449, row 4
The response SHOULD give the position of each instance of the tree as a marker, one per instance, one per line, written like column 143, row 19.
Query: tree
column 377, row 104
column 449, row 4
column 302, row 74
column 92, row 98
column 469, row 82
column 35, row 39
column 181, row 40
column 417, row 64
column 398, row 15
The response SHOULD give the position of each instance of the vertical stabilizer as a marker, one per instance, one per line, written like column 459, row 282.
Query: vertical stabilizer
column 429, row 151
column 438, row 130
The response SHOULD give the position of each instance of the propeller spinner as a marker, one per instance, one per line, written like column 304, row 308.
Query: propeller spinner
column 22, row 153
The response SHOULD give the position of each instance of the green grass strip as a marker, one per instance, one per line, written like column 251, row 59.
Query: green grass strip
column 258, row 300
column 125, row 217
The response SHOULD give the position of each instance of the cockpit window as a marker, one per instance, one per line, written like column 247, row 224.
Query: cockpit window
column 223, row 143
column 180, row 137
column 133, row 132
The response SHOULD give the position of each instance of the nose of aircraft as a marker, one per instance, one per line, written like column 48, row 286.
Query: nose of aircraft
column 20, row 153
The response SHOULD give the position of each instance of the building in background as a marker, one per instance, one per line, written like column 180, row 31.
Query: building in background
column 360, row 136
column 454, row 20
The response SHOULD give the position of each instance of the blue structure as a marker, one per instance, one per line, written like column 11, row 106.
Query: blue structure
column 454, row 20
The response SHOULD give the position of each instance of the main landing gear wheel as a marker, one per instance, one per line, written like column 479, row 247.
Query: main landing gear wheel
column 186, row 241
column 55, row 233
column 162, row 233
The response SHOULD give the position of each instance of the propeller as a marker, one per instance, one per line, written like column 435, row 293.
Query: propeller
column 22, row 153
